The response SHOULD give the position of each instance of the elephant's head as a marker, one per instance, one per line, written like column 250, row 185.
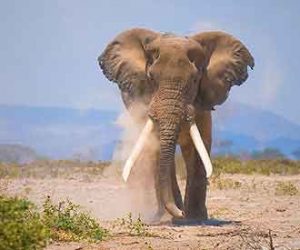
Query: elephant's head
column 175, row 76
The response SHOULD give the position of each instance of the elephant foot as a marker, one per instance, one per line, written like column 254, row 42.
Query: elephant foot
column 200, row 222
column 187, row 221
column 196, row 212
column 192, row 219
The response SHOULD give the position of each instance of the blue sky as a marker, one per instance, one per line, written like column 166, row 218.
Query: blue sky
column 49, row 48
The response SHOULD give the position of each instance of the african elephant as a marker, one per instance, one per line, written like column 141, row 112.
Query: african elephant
column 180, row 80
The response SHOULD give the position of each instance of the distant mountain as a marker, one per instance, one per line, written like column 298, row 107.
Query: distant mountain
column 93, row 134
column 17, row 153
column 251, row 129
column 60, row 132
column 263, row 125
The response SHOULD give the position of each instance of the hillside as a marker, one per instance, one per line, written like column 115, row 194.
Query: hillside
column 17, row 153
column 93, row 134
column 251, row 128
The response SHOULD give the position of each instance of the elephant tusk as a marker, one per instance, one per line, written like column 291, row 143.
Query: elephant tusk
column 198, row 142
column 137, row 149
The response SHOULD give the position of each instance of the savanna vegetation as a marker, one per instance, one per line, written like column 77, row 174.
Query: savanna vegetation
column 70, row 168
column 23, row 225
column 52, row 169
column 233, row 165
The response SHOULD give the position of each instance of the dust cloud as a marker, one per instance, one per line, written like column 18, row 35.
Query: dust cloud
column 137, row 196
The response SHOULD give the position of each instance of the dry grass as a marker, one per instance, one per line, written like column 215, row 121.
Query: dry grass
column 219, row 182
column 286, row 188
column 52, row 169
column 70, row 168
column 231, row 165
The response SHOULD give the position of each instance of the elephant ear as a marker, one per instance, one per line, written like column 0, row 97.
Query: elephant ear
column 227, row 63
column 124, row 61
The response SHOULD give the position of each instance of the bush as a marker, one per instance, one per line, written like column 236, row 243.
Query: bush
column 134, row 227
column 20, row 225
column 67, row 223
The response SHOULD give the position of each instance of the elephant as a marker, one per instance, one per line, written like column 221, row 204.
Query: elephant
column 180, row 79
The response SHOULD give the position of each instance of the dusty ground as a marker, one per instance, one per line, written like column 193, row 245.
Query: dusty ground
column 245, row 211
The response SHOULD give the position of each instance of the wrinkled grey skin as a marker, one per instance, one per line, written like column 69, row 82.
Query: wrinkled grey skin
column 180, row 79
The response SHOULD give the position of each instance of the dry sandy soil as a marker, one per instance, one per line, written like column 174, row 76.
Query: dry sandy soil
column 249, row 215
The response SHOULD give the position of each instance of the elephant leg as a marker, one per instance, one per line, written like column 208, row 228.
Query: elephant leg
column 195, row 192
column 196, row 184
column 176, row 190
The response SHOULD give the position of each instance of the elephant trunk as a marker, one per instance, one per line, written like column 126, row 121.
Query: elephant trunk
column 168, row 109
column 168, row 137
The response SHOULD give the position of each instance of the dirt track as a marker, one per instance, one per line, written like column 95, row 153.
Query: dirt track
column 248, row 213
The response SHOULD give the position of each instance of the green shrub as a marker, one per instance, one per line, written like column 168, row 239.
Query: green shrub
column 67, row 223
column 20, row 225
column 134, row 227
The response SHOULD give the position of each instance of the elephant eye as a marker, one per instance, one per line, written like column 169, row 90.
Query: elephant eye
column 150, row 75
column 229, row 80
column 197, row 65
column 196, row 57
column 153, row 54
column 156, row 54
column 200, row 68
